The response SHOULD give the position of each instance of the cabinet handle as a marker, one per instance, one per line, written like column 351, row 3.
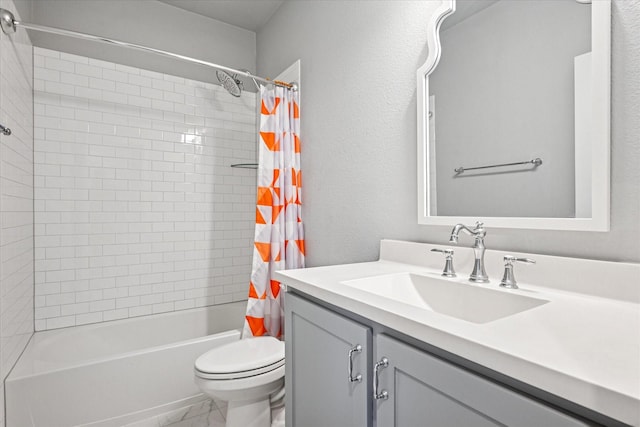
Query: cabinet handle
column 357, row 378
column 384, row 394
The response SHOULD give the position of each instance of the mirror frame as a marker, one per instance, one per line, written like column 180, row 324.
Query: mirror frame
column 601, row 132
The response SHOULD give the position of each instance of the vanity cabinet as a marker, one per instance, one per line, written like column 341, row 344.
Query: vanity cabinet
column 424, row 390
column 421, row 389
column 322, row 367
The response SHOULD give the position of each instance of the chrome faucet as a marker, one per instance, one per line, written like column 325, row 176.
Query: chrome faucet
column 478, row 275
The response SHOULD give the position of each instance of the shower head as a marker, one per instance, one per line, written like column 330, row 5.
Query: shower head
column 253, row 79
column 229, row 82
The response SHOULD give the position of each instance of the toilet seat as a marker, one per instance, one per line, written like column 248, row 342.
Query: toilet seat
column 241, row 359
column 239, row 375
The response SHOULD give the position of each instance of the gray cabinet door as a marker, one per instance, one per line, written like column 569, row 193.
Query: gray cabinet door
column 427, row 391
column 318, row 390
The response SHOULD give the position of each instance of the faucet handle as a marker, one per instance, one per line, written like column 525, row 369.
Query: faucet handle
column 511, row 259
column 448, row 270
column 508, row 279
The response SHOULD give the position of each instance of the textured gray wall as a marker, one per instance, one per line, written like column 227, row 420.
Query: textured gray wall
column 504, row 93
column 149, row 23
column 359, row 130
column 24, row 9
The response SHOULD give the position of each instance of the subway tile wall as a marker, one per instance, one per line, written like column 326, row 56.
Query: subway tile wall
column 16, row 199
column 137, row 210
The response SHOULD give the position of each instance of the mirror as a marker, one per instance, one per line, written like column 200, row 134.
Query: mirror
column 514, row 113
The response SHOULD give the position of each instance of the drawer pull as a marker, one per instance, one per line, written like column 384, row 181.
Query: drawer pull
column 384, row 394
column 358, row 377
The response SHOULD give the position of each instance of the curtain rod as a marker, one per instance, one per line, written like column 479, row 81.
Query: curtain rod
column 9, row 25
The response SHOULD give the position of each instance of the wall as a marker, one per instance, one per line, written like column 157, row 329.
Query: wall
column 137, row 209
column 149, row 23
column 514, row 94
column 16, row 200
column 359, row 130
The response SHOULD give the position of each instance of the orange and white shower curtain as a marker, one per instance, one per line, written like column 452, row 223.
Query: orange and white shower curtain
column 279, row 236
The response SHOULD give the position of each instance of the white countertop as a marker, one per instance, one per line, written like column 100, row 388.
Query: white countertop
column 583, row 347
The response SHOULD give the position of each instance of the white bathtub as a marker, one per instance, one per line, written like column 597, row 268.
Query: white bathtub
column 114, row 373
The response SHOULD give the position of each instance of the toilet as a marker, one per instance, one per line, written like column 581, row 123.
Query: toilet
column 248, row 374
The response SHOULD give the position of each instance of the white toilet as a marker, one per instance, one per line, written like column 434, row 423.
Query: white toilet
column 248, row 374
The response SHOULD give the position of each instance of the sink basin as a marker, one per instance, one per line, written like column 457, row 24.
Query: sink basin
column 460, row 300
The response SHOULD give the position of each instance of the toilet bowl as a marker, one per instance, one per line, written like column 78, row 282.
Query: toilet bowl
column 245, row 373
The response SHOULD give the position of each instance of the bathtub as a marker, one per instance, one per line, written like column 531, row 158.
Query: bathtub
column 114, row 373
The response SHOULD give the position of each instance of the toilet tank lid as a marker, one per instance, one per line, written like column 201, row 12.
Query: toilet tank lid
column 243, row 355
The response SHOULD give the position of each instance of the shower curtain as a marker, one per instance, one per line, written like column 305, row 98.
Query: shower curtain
column 279, row 237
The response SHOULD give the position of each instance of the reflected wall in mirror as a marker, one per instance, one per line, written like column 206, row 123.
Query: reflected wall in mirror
column 515, row 82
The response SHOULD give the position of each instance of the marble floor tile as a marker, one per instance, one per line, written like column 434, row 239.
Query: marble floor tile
column 148, row 422
column 222, row 406
column 186, row 413
column 206, row 413
column 200, row 414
